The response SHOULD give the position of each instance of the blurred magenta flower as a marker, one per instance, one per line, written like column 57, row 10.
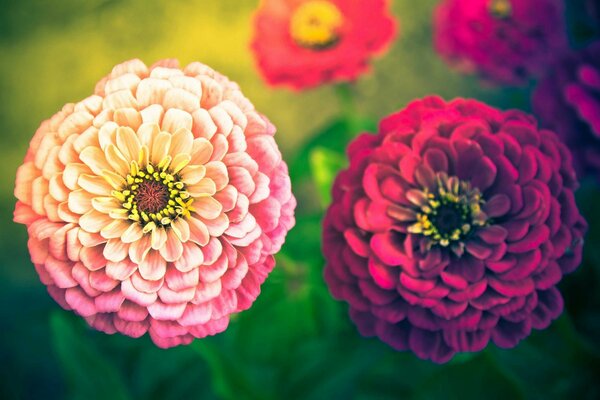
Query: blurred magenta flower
column 451, row 227
column 156, row 204
column 568, row 102
column 305, row 43
column 505, row 41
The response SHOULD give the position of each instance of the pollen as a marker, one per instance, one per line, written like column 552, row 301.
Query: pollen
column 448, row 214
column 316, row 24
column 500, row 8
column 154, row 196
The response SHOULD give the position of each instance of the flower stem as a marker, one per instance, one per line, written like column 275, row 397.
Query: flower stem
column 346, row 96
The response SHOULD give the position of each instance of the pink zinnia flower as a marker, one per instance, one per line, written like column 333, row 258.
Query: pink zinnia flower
column 568, row 102
column 452, row 227
column 505, row 41
column 156, row 204
column 305, row 43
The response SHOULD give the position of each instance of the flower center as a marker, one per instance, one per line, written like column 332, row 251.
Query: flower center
column 500, row 8
column 315, row 24
column 154, row 196
column 449, row 213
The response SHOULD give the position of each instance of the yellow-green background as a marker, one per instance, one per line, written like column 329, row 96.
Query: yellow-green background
column 296, row 341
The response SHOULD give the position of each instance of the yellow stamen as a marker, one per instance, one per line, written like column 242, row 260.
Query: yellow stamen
column 315, row 24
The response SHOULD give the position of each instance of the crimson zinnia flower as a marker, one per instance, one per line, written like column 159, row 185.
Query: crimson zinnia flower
column 305, row 43
column 568, row 102
column 505, row 41
column 451, row 227
column 156, row 204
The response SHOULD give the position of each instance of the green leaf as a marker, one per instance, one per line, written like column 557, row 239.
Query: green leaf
column 334, row 137
column 229, row 377
column 325, row 165
column 478, row 378
column 89, row 374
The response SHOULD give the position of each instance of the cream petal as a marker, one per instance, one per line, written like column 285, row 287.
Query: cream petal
column 126, row 81
column 206, row 187
column 88, row 138
column 152, row 114
column 120, row 270
column 242, row 180
column 115, row 250
column 187, row 83
column 179, row 162
column 94, row 158
column 181, row 229
column 133, row 233
column 71, row 174
column 177, row 98
column 153, row 267
column 181, row 142
column 191, row 258
column 207, row 207
column 159, row 238
column 80, row 201
column 116, row 159
column 107, row 134
column 88, row 239
column 160, row 147
column 120, row 99
column 26, row 173
column 222, row 119
column 146, row 285
column 173, row 248
column 236, row 114
column 92, row 257
column 217, row 171
column 134, row 295
column 39, row 189
column 204, row 127
column 175, row 119
column 134, row 66
column 105, row 204
column 65, row 213
column 115, row 229
column 152, row 91
column 220, row 147
column 202, row 150
column 212, row 91
column 193, row 174
column 139, row 249
column 198, row 231
column 94, row 221
column 178, row 280
column 67, row 153
column 94, row 185
column 129, row 143
column 216, row 227
column 116, row 181
column 147, row 132
column 128, row 117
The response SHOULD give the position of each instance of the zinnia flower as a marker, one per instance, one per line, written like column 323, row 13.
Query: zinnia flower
column 568, row 102
column 505, row 41
column 156, row 204
column 305, row 43
column 452, row 227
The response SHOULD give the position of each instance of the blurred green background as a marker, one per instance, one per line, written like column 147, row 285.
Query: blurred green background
column 296, row 341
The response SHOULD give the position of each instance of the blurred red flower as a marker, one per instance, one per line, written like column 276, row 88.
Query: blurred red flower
column 505, row 41
column 306, row 43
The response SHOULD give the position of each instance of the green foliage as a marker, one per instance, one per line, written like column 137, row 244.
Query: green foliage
column 325, row 164
column 89, row 374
